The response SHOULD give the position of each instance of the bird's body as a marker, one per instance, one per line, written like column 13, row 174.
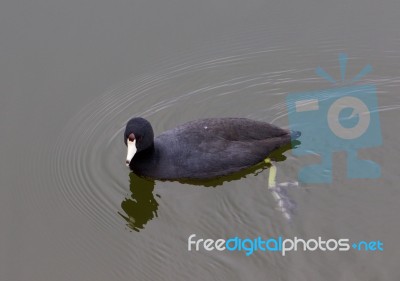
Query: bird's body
column 206, row 148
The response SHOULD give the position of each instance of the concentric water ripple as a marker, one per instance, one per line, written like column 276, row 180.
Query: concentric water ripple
column 88, row 156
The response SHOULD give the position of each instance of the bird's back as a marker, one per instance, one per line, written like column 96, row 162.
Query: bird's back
column 209, row 148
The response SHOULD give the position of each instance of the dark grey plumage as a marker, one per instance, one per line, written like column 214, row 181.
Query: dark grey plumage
column 205, row 148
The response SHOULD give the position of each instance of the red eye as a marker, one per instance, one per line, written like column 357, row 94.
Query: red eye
column 131, row 137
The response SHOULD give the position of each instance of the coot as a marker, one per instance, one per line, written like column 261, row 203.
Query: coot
column 201, row 149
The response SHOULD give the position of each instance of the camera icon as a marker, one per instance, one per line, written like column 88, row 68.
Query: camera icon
column 336, row 119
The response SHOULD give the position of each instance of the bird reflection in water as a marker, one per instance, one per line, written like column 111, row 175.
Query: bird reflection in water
column 141, row 207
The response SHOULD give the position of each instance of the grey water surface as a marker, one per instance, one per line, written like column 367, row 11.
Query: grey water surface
column 73, row 72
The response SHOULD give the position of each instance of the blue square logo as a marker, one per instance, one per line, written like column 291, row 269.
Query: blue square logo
column 336, row 119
